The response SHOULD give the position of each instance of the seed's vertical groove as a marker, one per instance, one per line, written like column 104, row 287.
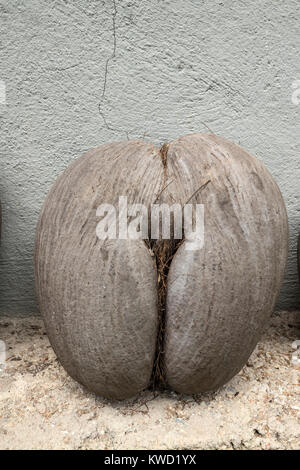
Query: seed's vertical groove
column 163, row 250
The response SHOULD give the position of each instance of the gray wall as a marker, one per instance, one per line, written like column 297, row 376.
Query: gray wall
column 156, row 67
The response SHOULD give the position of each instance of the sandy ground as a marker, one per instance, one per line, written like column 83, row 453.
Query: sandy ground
column 42, row 408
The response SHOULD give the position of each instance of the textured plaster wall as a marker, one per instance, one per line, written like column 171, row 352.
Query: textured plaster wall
column 81, row 73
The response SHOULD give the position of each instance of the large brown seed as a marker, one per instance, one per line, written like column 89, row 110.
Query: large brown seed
column 99, row 298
